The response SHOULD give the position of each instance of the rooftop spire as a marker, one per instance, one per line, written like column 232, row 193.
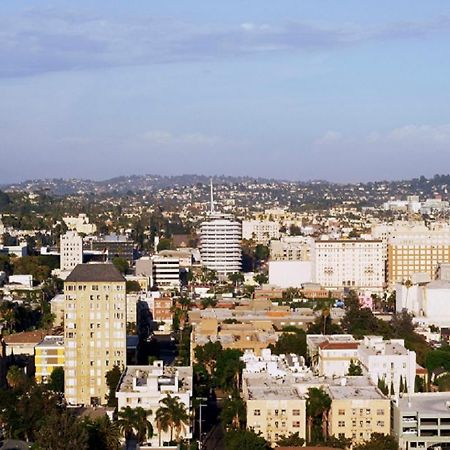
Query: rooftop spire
column 212, row 196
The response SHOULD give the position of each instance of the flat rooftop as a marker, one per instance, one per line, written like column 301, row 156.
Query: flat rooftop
column 355, row 388
column 426, row 403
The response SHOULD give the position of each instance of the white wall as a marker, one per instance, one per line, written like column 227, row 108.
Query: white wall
column 289, row 273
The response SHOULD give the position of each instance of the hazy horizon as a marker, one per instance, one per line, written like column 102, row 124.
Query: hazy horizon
column 341, row 91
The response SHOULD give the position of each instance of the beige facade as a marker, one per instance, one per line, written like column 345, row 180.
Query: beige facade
column 358, row 409
column 94, row 330
column 274, row 416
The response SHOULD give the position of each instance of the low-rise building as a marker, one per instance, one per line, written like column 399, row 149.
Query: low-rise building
column 23, row 343
column 146, row 386
column 390, row 361
column 49, row 354
column 358, row 409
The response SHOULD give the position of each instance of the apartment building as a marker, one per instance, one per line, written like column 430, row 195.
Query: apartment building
column 71, row 251
column 422, row 421
column 94, row 330
column 48, row 355
column 220, row 244
column 146, row 386
column 260, row 231
column 356, row 264
column 334, row 358
column 291, row 248
column 255, row 336
column 358, row 409
column 388, row 360
column 275, row 405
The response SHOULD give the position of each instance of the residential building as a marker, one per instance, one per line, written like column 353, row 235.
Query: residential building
column 94, row 330
column 356, row 264
column 23, row 343
column 71, row 251
column 422, row 420
column 390, row 361
column 313, row 342
column 57, row 309
column 255, row 336
column 80, row 224
column 291, row 248
column 276, row 406
column 49, row 354
column 260, row 231
column 334, row 358
column 146, row 386
column 358, row 409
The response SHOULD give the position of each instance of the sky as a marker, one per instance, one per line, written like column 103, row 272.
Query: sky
column 342, row 90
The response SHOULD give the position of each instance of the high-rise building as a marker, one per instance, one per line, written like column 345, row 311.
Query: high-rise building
column 220, row 242
column 166, row 272
column 94, row 330
column 71, row 250
column 357, row 264
column 416, row 249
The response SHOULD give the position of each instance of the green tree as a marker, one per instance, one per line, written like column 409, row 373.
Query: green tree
column 354, row 369
column 172, row 416
column 16, row 377
column 261, row 278
column 62, row 430
column 228, row 370
column 56, row 380
column 134, row 424
column 262, row 252
column 293, row 440
column 233, row 413
column 102, row 433
column 133, row 286
column 379, row 441
column 245, row 439
column 112, row 381
column 121, row 264
column 164, row 244
column 290, row 342
column 206, row 355
column 318, row 404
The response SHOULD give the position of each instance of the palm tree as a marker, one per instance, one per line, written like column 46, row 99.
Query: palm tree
column 317, row 406
column 134, row 423
column 233, row 412
column 172, row 416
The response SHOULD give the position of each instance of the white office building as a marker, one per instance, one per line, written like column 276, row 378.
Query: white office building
column 165, row 272
column 220, row 244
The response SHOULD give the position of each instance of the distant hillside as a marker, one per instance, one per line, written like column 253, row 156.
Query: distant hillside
column 122, row 184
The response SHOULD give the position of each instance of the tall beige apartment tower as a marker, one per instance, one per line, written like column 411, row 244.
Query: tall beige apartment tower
column 94, row 330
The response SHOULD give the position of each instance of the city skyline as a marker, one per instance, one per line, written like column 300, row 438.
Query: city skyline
column 344, row 92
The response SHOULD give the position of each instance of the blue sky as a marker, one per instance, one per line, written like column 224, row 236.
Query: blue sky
column 342, row 90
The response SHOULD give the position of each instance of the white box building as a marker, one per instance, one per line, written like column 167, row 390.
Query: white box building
column 287, row 274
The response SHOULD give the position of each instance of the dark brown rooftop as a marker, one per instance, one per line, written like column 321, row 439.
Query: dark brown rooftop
column 95, row 272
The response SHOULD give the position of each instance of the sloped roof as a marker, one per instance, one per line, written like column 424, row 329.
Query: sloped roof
column 95, row 272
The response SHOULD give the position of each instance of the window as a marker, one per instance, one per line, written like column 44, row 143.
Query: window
column 257, row 412
column 341, row 412
column 295, row 412
column 380, row 412
column 296, row 424
column 341, row 423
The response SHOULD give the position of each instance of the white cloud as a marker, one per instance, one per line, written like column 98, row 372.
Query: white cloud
column 329, row 138
column 161, row 137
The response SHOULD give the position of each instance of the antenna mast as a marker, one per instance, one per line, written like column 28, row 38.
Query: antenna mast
column 212, row 196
